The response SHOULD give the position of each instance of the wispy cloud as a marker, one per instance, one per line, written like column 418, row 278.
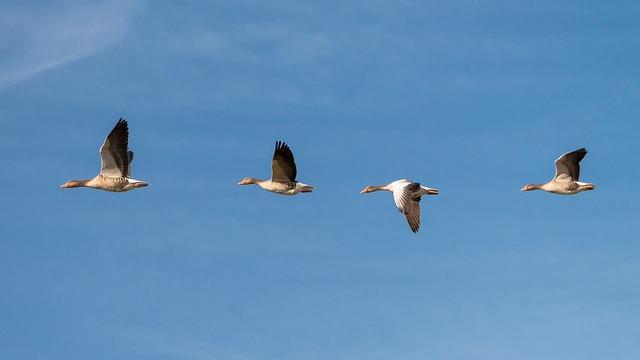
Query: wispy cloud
column 36, row 38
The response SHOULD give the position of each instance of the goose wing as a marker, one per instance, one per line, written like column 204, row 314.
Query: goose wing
column 114, row 153
column 402, row 195
column 413, row 216
column 408, row 203
column 568, row 165
column 283, row 167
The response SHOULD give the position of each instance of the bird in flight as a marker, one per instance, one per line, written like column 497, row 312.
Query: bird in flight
column 116, row 160
column 283, row 174
column 407, row 195
column 567, row 178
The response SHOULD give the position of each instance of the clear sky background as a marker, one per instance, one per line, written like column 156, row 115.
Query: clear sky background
column 475, row 98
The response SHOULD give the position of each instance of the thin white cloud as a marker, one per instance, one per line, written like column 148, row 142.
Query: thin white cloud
column 34, row 39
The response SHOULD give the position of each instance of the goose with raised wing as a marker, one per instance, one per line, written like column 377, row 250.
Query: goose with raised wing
column 283, row 174
column 116, row 159
column 407, row 195
column 567, row 178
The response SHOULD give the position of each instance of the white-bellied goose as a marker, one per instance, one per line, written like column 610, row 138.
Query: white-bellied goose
column 407, row 195
column 566, row 181
column 283, row 174
column 116, row 164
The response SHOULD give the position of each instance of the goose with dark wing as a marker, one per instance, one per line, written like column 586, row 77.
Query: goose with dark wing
column 566, row 181
column 116, row 160
column 283, row 174
column 407, row 195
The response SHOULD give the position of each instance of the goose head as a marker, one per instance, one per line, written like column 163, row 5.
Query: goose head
column 530, row 187
column 369, row 189
column 248, row 181
column 71, row 184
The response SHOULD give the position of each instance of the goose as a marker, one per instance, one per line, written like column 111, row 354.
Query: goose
column 283, row 174
column 566, row 181
column 407, row 195
column 116, row 164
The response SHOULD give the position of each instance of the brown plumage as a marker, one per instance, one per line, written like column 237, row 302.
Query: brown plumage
column 115, row 168
column 283, row 174
column 283, row 165
column 406, row 195
column 567, row 178
column 568, row 165
column 114, row 152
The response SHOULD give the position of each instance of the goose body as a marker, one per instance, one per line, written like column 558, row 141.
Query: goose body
column 284, row 188
column 283, row 174
column 116, row 161
column 406, row 195
column 566, row 180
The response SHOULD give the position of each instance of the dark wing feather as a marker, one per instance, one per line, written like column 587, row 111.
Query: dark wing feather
column 568, row 165
column 403, row 199
column 413, row 216
column 114, row 152
column 283, row 166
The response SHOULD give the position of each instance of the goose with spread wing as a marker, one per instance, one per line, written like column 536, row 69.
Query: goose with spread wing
column 407, row 195
column 566, row 181
column 283, row 174
column 116, row 164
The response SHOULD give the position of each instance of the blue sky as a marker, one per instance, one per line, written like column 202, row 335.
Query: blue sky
column 475, row 98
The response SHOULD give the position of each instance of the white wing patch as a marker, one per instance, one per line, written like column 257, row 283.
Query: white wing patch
column 109, row 167
column 402, row 194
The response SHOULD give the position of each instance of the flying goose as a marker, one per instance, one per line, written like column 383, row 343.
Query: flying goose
column 407, row 195
column 566, row 181
column 283, row 174
column 116, row 164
